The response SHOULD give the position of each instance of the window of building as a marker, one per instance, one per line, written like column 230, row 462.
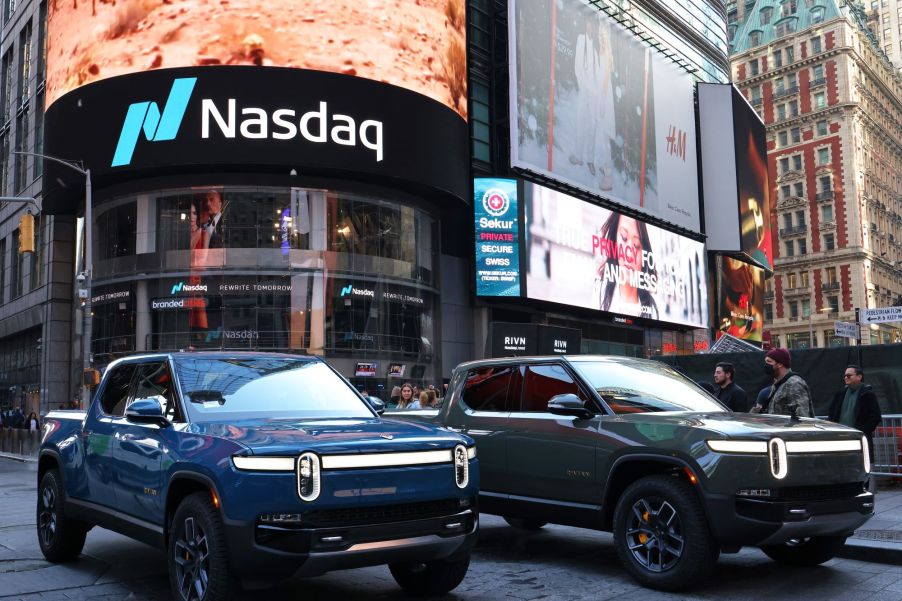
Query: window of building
column 9, row 7
column 755, row 92
column 830, row 275
column 479, row 119
column 829, row 243
column 2, row 271
column 795, row 134
column 820, row 100
column 781, row 112
column 769, row 313
column 822, row 128
column 793, row 108
column 16, row 272
column 793, row 310
column 817, row 73
column 778, row 59
column 833, row 302
column 826, row 183
column 754, row 40
column 765, row 15
column 803, row 246
column 800, row 217
column 797, row 162
column 790, row 249
column 784, row 164
column 785, row 191
column 798, row 189
column 806, row 307
column 790, row 55
column 785, row 27
column 24, row 91
column 783, row 138
column 779, row 87
column 787, row 8
column 791, row 281
column 486, row 389
column 20, row 161
column 36, row 259
column 803, row 279
column 787, row 220
column 816, row 15
column 827, row 213
column 815, row 45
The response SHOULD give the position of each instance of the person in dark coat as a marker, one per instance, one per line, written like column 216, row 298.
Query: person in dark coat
column 728, row 392
column 856, row 405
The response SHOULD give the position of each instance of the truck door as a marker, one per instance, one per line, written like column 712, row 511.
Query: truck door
column 139, row 449
column 97, row 436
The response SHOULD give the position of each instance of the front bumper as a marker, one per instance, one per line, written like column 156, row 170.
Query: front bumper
column 263, row 553
column 739, row 521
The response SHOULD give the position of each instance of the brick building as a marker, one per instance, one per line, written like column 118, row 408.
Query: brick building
column 832, row 105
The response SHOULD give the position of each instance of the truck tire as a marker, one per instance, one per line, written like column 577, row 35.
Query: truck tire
column 61, row 538
column 197, row 554
column 806, row 551
column 661, row 534
column 524, row 524
column 431, row 578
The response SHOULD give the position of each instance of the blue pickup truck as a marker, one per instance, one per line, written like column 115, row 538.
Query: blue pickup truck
column 247, row 468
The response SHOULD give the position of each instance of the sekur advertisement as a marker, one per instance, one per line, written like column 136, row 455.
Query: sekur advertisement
column 581, row 254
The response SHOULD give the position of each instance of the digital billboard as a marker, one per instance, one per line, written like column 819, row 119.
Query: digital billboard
column 497, row 224
column 736, row 184
column 594, row 108
column 581, row 254
column 741, row 300
column 419, row 45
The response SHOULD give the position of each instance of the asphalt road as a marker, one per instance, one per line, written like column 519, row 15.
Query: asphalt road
column 555, row 564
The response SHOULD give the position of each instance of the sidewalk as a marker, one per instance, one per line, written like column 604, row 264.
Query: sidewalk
column 880, row 539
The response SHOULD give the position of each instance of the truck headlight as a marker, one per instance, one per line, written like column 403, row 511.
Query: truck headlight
column 776, row 454
column 865, row 451
column 461, row 466
column 308, row 476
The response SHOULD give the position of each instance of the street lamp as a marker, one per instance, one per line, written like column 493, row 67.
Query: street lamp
column 85, row 275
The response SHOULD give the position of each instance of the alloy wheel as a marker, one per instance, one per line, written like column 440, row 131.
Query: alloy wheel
column 47, row 520
column 654, row 534
column 192, row 561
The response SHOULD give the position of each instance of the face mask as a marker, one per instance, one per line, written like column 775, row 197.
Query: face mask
column 769, row 369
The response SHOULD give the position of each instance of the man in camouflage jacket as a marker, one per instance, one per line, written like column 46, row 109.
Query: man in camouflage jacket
column 790, row 394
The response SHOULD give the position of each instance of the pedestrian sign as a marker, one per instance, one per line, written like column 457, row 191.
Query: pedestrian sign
column 845, row 329
column 881, row 315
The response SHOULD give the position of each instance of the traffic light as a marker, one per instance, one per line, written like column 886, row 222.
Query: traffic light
column 26, row 233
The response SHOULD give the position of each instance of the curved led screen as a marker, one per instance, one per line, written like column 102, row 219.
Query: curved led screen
column 414, row 44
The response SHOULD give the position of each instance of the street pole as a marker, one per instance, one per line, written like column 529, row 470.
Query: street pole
column 89, row 258
column 858, row 339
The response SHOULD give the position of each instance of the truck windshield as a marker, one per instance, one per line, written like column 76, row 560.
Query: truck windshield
column 645, row 387
column 240, row 388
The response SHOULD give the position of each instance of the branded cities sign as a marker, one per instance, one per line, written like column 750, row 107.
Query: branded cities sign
column 497, row 237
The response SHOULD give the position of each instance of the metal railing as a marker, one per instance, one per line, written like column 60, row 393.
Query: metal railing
column 887, row 459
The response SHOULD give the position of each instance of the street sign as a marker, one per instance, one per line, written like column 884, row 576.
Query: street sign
column 881, row 315
column 845, row 329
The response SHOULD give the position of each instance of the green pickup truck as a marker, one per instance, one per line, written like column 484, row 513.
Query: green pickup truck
column 633, row 447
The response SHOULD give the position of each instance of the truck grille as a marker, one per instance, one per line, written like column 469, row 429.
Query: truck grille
column 819, row 493
column 355, row 516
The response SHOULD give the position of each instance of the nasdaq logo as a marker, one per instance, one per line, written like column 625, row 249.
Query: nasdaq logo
column 183, row 287
column 347, row 290
column 157, row 125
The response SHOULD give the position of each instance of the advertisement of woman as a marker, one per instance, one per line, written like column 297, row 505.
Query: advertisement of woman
column 584, row 255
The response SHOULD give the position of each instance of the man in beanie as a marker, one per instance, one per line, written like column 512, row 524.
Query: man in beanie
column 790, row 394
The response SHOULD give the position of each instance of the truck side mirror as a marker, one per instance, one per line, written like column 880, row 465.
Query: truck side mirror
column 569, row 404
column 377, row 404
column 150, row 410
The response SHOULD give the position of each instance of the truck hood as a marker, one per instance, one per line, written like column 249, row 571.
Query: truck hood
column 748, row 426
column 331, row 436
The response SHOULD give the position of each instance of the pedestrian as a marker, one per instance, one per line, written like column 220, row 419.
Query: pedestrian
column 406, row 396
column 728, row 392
column 856, row 405
column 18, row 419
column 708, row 386
column 790, row 394
column 33, row 424
column 395, row 397
column 761, row 400
column 418, row 401
column 428, row 399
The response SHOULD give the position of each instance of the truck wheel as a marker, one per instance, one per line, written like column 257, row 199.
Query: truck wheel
column 432, row 577
column 524, row 524
column 661, row 535
column 198, row 557
column 61, row 538
column 806, row 551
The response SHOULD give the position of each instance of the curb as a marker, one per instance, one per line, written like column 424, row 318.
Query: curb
column 19, row 458
column 872, row 551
